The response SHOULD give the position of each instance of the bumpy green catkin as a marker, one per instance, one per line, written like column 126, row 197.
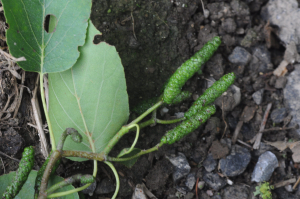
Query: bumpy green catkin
column 181, row 97
column 188, row 69
column 25, row 167
column 211, row 94
column 189, row 125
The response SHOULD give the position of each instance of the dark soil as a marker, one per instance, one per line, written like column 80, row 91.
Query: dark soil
column 153, row 39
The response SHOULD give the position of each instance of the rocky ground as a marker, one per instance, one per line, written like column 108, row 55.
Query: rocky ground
column 252, row 139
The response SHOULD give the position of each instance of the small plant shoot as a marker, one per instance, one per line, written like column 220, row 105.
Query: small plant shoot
column 88, row 101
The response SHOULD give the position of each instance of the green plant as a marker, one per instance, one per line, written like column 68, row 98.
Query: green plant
column 87, row 89
column 264, row 190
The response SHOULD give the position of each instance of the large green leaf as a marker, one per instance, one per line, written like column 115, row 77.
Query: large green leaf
column 46, row 52
column 27, row 191
column 90, row 97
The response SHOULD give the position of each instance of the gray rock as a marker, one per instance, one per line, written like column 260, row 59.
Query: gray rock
column 105, row 186
column 262, row 149
column 236, row 162
column 239, row 56
column 264, row 168
column 229, row 25
column 286, row 16
column 231, row 99
column 139, row 192
column 89, row 190
column 214, row 181
column 278, row 115
column 189, row 195
column 236, row 192
column 262, row 53
column 201, row 184
column 216, row 197
column 209, row 163
column 258, row 96
column 292, row 95
column 280, row 82
column 182, row 167
column 190, row 181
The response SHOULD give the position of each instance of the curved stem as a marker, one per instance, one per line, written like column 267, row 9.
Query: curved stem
column 158, row 121
column 117, row 178
column 136, row 137
column 59, row 194
column 155, row 148
column 53, row 145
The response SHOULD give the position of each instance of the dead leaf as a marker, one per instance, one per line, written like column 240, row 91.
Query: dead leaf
column 294, row 146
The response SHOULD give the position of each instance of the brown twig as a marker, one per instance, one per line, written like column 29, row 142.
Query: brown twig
column 237, row 131
column 284, row 183
column 38, row 120
column 196, row 188
column 296, row 184
column 9, row 157
column 281, row 128
column 223, row 117
column 262, row 127
column 20, row 95
column 133, row 26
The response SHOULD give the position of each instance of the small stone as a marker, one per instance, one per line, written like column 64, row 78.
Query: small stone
column 163, row 111
column 262, row 53
column 210, row 163
column 229, row 101
column 214, row 181
column 182, row 167
column 105, row 186
column 258, row 96
column 139, row 192
column 190, row 181
column 280, row 82
column 292, row 95
column 89, row 190
column 229, row 25
column 217, row 196
column 189, row 195
column 218, row 149
column 236, row 162
column 264, row 168
column 278, row 115
column 289, row 188
column 239, row 56
column 236, row 192
column 201, row 184
column 209, row 193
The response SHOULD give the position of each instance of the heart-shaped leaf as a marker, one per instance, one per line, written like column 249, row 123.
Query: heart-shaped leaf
column 90, row 97
column 27, row 191
column 46, row 52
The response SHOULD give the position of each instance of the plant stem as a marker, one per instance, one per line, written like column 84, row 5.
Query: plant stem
column 59, row 194
column 82, row 154
column 55, row 156
column 155, row 148
column 136, row 137
column 53, row 145
column 158, row 121
column 117, row 178
column 154, row 107
column 70, row 181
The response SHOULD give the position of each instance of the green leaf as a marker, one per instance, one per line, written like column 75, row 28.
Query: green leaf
column 124, row 154
column 46, row 52
column 27, row 191
column 90, row 97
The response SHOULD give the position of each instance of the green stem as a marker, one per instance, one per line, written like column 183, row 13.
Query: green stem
column 82, row 154
column 117, row 178
column 155, row 148
column 154, row 107
column 136, row 137
column 46, row 112
column 59, row 194
column 70, row 180
column 158, row 121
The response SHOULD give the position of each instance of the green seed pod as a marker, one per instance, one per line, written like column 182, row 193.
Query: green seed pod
column 188, row 69
column 87, row 179
column 189, row 125
column 25, row 167
column 211, row 94
column 182, row 96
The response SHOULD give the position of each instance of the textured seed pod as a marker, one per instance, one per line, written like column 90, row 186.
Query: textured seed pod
column 188, row 69
column 25, row 167
column 211, row 94
column 189, row 125
column 181, row 97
